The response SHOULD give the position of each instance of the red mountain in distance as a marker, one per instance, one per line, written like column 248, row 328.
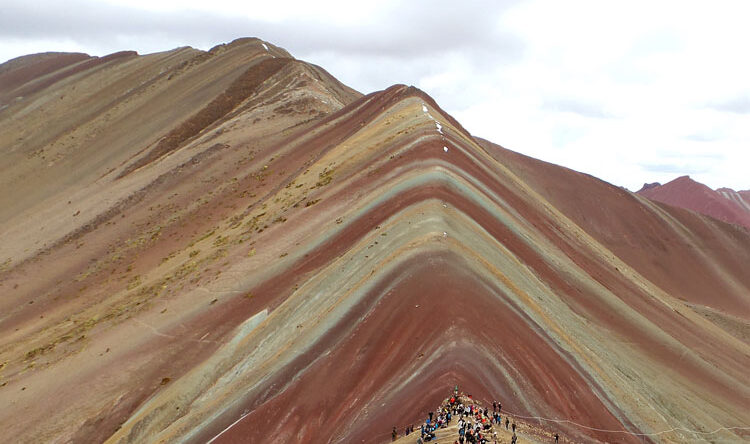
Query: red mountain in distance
column 723, row 204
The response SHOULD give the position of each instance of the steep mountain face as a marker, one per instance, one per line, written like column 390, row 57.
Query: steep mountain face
column 724, row 204
column 231, row 245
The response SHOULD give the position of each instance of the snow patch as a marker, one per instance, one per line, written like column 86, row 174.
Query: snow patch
column 424, row 109
column 264, row 45
column 439, row 127
column 445, row 148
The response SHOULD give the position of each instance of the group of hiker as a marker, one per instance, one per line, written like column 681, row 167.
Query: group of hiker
column 475, row 424
column 478, row 428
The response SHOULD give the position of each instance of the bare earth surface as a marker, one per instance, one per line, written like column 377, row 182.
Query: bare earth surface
column 233, row 246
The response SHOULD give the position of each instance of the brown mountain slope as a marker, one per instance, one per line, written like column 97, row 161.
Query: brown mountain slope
column 86, row 235
column 724, row 204
column 282, row 258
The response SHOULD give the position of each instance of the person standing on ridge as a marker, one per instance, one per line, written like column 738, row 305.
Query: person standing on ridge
column 507, row 421
column 494, row 406
column 394, row 434
column 556, row 437
column 513, row 426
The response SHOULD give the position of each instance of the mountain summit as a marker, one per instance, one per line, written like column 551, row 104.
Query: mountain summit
column 233, row 246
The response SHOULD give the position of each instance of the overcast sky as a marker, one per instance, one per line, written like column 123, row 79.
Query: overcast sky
column 628, row 91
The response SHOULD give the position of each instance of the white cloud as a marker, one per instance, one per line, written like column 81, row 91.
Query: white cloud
column 655, row 70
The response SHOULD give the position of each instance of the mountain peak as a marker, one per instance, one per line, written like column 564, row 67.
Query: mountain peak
column 648, row 186
column 684, row 181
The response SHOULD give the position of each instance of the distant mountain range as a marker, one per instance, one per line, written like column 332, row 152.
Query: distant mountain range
column 724, row 204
